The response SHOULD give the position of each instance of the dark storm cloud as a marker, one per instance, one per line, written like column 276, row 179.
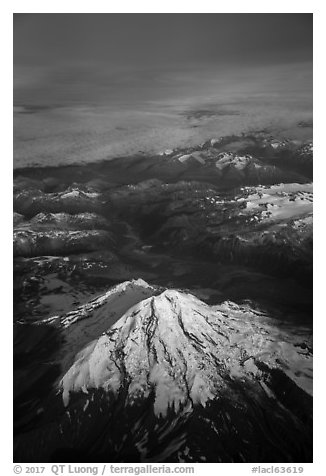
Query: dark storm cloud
column 154, row 39
column 61, row 58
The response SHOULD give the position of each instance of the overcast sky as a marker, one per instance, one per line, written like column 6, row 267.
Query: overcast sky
column 83, row 57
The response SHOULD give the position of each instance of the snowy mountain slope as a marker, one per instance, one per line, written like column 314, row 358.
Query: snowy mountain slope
column 183, row 349
column 149, row 374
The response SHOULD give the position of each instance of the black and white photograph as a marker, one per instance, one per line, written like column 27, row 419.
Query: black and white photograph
column 162, row 238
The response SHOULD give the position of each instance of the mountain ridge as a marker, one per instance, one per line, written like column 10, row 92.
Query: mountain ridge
column 155, row 321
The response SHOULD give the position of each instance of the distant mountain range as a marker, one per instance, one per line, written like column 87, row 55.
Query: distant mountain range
column 212, row 361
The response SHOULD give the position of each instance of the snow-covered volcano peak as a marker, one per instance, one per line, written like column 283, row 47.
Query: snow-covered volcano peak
column 182, row 352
